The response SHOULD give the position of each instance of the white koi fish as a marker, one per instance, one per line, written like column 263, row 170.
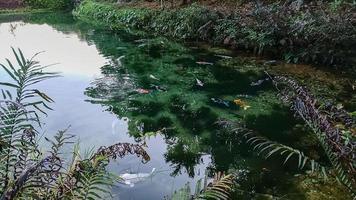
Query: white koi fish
column 132, row 179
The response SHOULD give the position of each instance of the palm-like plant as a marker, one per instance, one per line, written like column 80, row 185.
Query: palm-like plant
column 19, row 114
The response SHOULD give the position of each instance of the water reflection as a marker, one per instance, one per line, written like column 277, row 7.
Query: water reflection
column 73, row 56
column 120, row 87
column 81, row 64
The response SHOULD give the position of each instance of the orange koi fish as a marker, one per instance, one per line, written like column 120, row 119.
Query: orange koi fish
column 241, row 103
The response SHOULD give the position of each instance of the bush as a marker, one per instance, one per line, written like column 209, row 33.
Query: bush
column 311, row 34
column 183, row 23
column 51, row 4
column 125, row 17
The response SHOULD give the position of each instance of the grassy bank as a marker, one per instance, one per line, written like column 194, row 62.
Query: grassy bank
column 20, row 11
column 26, row 5
column 318, row 34
column 50, row 4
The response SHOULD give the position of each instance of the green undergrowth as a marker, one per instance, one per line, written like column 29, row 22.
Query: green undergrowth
column 50, row 4
column 318, row 36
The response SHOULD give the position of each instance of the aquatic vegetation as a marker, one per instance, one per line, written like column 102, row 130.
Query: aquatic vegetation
column 183, row 117
column 187, row 121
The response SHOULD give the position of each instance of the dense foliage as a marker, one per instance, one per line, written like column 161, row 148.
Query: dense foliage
column 296, row 33
column 50, row 4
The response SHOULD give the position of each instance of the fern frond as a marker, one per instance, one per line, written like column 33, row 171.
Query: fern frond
column 340, row 152
column 18, row 111
column 220, row 190
column 266, row 148
column 94, row 185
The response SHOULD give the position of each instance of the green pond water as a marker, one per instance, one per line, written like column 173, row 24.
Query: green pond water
column 120, row 87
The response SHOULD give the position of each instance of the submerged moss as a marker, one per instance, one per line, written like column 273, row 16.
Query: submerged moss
column 317, row 188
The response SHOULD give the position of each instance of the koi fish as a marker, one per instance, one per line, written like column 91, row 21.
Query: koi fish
column 132, row 179
column 119, row 62
column 153, row 77
column 158, row 88
column 259, row 82
column 199, row 83
column 241, row 103
column 223, row 56
column 204, row 63
column 220, row 102
column 120, row 58
column 270, row 62
column 142, row 91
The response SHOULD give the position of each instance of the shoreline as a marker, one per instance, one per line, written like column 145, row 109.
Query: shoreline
column 252, row 33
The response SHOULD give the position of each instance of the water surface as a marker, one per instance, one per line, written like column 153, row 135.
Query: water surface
column 117, row 87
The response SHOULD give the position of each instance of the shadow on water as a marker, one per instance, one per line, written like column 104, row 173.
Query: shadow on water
column 167, row 90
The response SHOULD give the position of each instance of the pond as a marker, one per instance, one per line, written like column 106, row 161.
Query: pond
column 125, row 87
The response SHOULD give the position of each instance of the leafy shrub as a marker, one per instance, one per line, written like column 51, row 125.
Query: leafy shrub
column 125, row 17
column 306, row 34
column 184, row 23
column 311, row 35
column 51, row 4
